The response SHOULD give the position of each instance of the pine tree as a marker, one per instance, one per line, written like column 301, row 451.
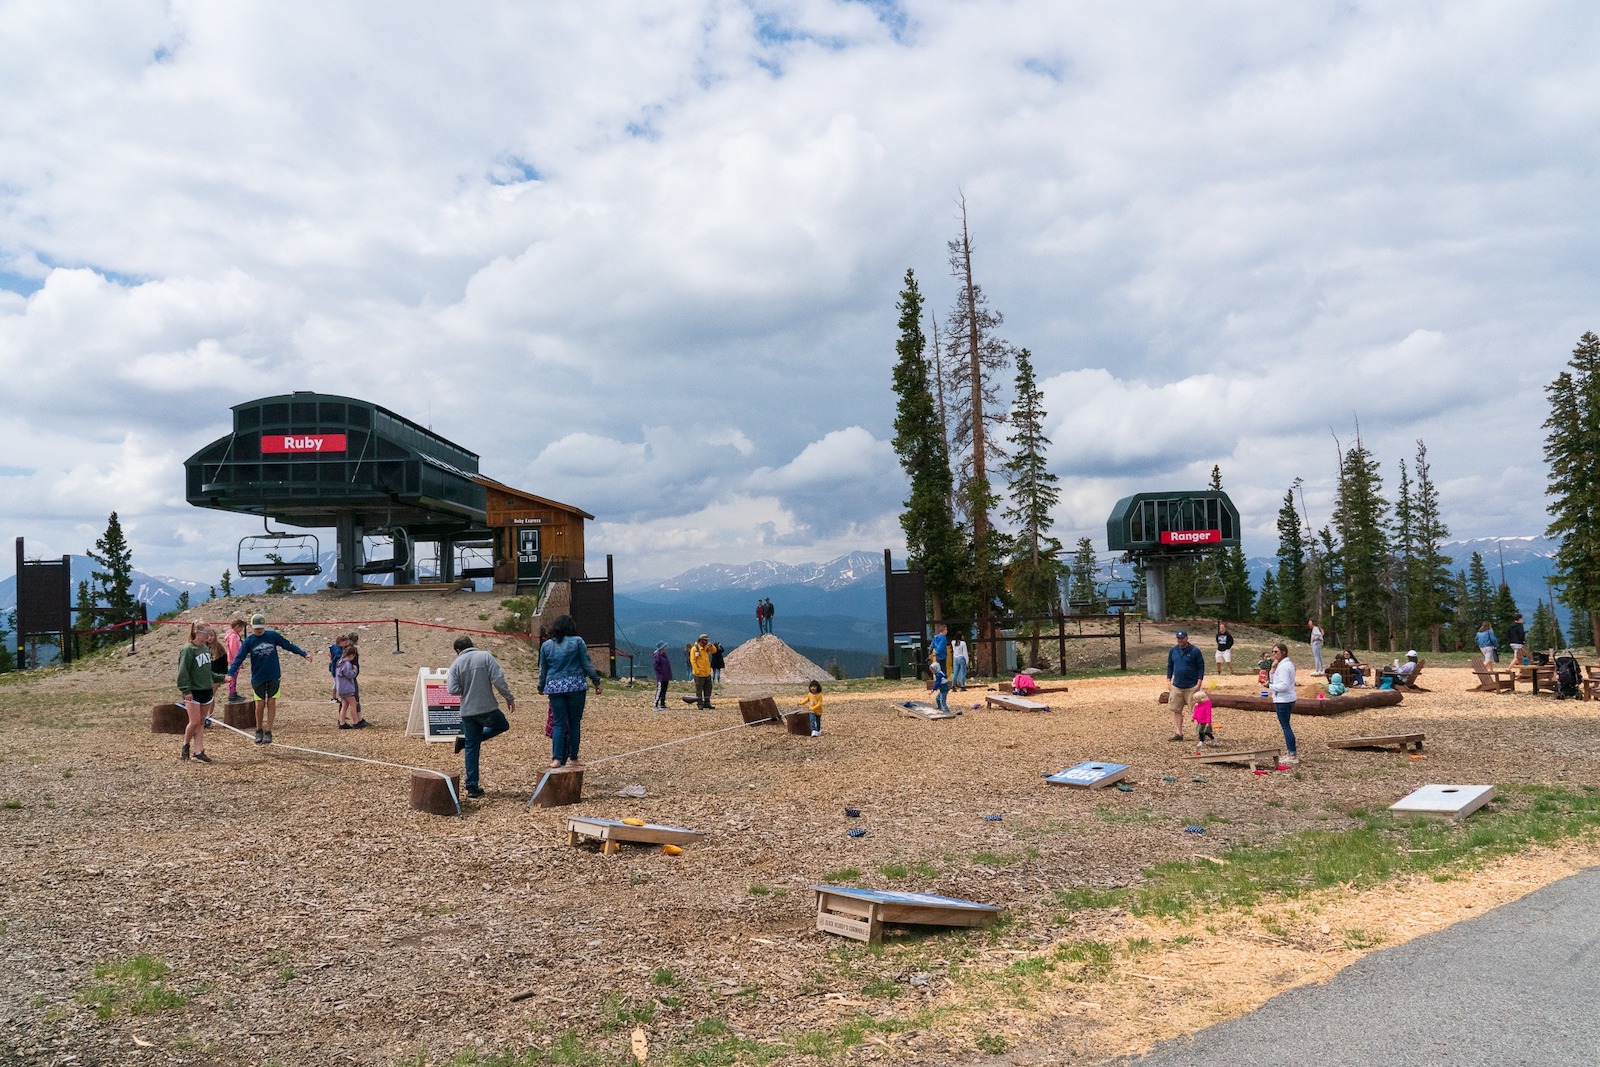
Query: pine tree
column 980, row 355
column 1291, row 579
column 1463, row 623
column 1326, row 576
column 1501, row 612
column 1233, row 571
column 1035, row 554
column 1573, row 451
column 85, row 616
column 1360, row 516
column 1543, row 633
column 1087, row 596
column 227, row 583
column 183, row 601
column 114, row 581
column 1403, row 560
column 933, row 542
column 1480, row 594
column 8, row 622
column 1579, row 625
column 278, row 584
column 1428, row 595
column 1267, row 604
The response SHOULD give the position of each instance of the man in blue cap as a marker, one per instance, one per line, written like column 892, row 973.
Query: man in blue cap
column 1186, row 669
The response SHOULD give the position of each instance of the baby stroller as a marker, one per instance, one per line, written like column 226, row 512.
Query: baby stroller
column 1567, row 677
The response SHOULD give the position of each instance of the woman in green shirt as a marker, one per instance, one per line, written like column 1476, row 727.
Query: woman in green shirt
column 200, row 671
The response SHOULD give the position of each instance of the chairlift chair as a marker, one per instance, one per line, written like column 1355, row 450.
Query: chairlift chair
column 279, row 554
column 474, row 559
column 399, row 552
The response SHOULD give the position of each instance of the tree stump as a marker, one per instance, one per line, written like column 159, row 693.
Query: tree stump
column 169, row 719
column 558, row 788
column 240, row 714
column 798, row 723
column 431, row 791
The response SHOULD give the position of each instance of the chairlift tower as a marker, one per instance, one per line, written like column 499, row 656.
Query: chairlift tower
column 1156, row 530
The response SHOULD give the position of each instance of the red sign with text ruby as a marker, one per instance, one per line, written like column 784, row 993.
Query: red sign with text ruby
column 280, row 443
column 1191, row 537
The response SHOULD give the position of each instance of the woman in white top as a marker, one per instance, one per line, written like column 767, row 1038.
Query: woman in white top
column 1282, row 688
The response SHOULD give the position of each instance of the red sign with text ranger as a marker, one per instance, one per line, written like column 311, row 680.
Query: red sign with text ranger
column 279, row 443
column 1191, row 537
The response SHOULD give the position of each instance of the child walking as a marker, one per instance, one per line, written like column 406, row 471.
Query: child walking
column 941, row 683
column 1202, row 718
column 813, row 704
column 344, row 685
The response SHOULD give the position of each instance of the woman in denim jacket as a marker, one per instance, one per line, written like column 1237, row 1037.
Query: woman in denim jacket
column 564, row 674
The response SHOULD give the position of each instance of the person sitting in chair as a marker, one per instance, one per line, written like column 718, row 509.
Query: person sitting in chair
column 1407, row 670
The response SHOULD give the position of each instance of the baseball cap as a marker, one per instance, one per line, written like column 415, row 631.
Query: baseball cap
column 258, row 622
column 1412, row 654
column 1181, row 633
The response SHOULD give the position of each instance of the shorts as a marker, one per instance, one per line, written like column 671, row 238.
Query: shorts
column 266, row 690
column 202, row 696
column 1179, row 700
column 1224, row 655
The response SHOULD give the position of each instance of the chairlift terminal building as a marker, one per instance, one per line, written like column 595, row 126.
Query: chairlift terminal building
column 1158, row 529
column 315, row 461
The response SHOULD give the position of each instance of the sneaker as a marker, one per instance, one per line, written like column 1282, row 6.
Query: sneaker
column 344, row 726
column 1175, row 737
column 461, row 744
column 185, row 752
column 362, row 725
column 266, row 737
column 209, row 723
column 475, row 793
column 816, row 733
column 259, row 735
column 1291, row 759
column 202, row 757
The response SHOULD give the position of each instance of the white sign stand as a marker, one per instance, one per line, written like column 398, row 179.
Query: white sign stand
column 435, row 714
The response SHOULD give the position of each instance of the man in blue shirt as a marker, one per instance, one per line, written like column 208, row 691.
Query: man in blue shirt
column 1186, row 669
column 266, row 673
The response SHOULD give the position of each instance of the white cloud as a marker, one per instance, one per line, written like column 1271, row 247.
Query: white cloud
column 644, row 258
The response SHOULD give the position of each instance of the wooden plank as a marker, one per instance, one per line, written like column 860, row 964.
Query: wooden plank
column 1016, row 703
column 1252, row 756
column 1405, row 742
column 859, row 929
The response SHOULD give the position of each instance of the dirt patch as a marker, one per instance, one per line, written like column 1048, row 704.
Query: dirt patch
column 307, row 915
column 766, row 660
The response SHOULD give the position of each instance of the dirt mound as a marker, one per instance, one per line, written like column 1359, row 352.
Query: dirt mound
column 768, row 659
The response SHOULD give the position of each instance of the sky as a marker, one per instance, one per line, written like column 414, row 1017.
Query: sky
column 644, row 258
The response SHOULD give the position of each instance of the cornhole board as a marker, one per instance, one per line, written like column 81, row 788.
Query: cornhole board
column 759, row 711
column 1444, row 801
column 1387, row 742
column 612, row 832
column 1089, row 775
column 1253, row 756
column 1015, row 703
column 926, row 711
column 861, row 913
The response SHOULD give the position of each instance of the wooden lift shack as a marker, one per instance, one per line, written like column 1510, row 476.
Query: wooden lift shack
column 612, row 832
column 862, row 913
column 1384, row 743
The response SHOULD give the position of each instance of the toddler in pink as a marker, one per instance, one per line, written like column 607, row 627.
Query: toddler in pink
column 1202, row 717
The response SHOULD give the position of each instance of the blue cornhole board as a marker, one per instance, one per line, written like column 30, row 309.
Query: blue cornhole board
column 1089, row 775
column 861, row 913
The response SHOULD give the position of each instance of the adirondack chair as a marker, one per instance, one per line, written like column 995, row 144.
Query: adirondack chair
column 1494, row 681
column 1412, row 685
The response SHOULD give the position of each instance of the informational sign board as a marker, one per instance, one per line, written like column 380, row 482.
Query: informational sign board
column 1089, row 775
column 435, row 714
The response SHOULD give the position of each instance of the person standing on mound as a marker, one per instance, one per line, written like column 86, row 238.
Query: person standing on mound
column 266, row 672
column 564, row 673
column 1283, row 696
column 663, row 668
column 1186, row 669
column 200, row 671
column 474, row 677
column 700, row 668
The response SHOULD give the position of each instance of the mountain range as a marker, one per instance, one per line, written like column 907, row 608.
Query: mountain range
column 830, row 612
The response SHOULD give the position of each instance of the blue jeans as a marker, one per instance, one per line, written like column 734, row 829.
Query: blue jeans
column 567, row 709
column 942, row 699
column 960, row 679
column 1284, row 711
column 476, row 729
